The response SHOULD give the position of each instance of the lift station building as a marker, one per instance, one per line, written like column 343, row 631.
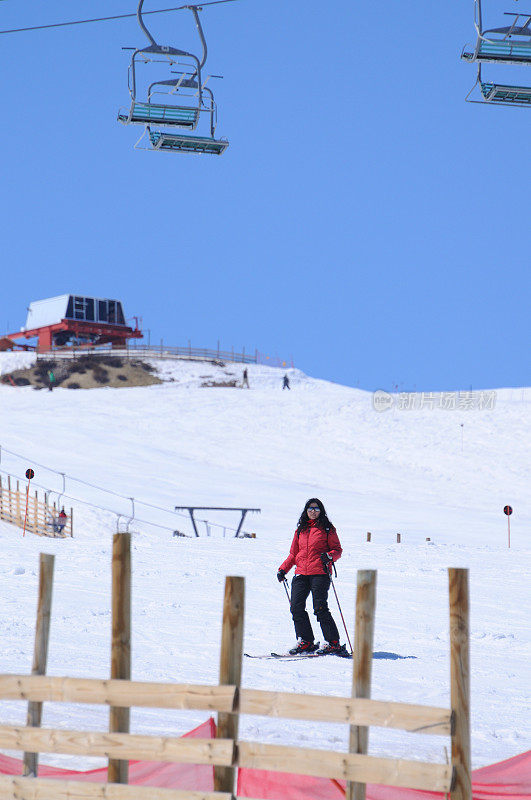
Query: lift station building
column 71, row 320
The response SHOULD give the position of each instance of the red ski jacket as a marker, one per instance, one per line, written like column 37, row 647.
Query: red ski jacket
column 306, row 549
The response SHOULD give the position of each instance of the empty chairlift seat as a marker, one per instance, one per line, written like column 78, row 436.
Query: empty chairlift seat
column 503, row 51
column 179, row 143
column 508, row 51
column 506, row 95
column 145, row 113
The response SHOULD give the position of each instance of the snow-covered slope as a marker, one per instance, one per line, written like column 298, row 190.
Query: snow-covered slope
column 432, row 473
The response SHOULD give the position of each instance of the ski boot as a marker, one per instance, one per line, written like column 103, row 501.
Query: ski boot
column 303, row 647
column 334, row 649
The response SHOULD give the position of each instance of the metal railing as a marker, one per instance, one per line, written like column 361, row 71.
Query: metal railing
column 152, row 351
column 162, row 351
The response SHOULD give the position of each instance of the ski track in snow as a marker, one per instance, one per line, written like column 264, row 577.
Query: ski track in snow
column 178, row 443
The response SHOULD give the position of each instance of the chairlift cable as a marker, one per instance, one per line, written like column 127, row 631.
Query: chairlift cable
column 118, row 16
column 92, row 486
column 113, row 511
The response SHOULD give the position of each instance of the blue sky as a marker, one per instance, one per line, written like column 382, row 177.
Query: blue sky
column 365, row 220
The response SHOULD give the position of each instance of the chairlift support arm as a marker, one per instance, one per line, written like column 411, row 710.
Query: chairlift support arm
column 142, row 23
column 62, row 474
column 194, row 10
column 129, row 521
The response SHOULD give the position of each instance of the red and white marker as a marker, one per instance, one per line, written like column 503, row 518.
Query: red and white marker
column 29, row 475
column 508, row 510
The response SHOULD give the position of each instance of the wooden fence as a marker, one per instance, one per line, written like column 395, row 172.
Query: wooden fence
column 42, row 518
column 228, row 752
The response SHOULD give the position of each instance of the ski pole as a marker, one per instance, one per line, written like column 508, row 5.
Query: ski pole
column 285, row 582
column 342, row 617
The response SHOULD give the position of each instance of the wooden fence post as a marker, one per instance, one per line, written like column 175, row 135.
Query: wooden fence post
column 362, row 666
column 460, row 682
column 118, row 770
column 40, row 652
column 230, row 672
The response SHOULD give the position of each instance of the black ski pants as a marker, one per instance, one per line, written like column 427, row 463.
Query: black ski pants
column 318, row 585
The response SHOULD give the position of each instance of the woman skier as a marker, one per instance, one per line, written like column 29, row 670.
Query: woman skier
column 314, row 547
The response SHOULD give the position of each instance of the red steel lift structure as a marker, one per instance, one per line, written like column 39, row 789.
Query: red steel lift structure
column 72, row 320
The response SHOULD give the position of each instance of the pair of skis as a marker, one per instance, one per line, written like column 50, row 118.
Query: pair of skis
column 291, row 657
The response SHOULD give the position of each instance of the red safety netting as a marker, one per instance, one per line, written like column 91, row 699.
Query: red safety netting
column 194, row 777
column 507, row 780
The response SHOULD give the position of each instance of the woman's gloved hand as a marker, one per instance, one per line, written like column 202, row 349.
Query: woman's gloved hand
column 326, row 558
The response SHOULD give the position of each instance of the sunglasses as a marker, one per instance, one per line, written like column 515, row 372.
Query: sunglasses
column 313, row 508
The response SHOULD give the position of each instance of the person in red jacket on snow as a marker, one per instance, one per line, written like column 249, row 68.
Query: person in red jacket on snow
column 314, row 547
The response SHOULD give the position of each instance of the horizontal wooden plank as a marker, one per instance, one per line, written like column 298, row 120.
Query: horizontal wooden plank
column 43, row 789
column 123, row 746
column 413, row 718
column 43, row 688
column 120, row 693
column 346, row 766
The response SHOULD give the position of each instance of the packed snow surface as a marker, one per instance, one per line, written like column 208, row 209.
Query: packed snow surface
column 445, row 474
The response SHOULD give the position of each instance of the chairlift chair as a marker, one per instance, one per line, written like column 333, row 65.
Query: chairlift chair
column 178, row 143
column 500, row 94
column 148, row 112
column 171, row 142
column 499, row 44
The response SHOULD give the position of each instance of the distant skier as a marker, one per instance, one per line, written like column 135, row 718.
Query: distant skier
column 285, row 383
column 245, row 380
column 51, row 380
column 314, row 547
column 60, row 523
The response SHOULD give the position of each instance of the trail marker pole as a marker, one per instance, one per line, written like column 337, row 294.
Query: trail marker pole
column 29, row 475
column 508, row 511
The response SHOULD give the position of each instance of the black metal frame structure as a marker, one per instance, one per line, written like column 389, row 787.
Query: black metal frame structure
column 243, row 512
